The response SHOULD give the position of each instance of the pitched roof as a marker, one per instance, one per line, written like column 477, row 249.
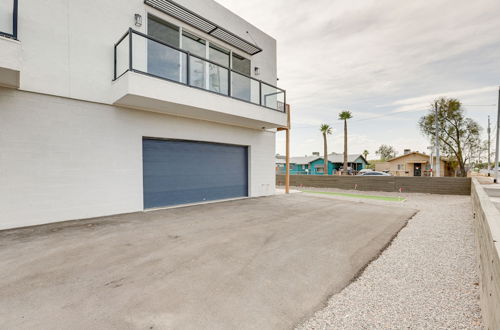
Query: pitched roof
column 333, row 158
column 299, row 160
column 416, row 153
column 339, row 158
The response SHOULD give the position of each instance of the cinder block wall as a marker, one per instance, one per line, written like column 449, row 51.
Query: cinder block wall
column 442, row 185
column 487, row 227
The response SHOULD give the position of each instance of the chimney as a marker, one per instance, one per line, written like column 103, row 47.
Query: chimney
column 407, row 151
column 316, row 153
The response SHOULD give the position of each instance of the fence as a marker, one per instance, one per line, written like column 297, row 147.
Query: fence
column 441, row 185
column 487, row 227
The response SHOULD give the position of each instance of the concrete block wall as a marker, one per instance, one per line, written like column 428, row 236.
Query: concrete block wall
column 442, row 185
column 487, row 227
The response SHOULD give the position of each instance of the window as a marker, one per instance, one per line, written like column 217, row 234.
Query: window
column 219, row 55
column 401, row 167
column 197, row 46
column 169, row 63
column 219, row 76
column 164, row 61
column 163, row 31
column 241, row 64
column 194, row 44
column 242, row 85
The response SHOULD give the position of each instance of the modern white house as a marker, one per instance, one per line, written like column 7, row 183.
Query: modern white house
column 119, row 106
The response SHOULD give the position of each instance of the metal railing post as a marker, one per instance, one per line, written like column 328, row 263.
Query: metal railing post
column 229, row 90
column 114, row 64
column 188, row 72
column 14, row 19
column 130, row 49
column 284, row 101
column 260, row 92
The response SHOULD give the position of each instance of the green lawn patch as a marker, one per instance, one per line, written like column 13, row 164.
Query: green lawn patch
column 382, row 198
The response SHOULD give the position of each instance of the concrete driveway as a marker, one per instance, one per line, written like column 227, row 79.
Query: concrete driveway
column 262, row 263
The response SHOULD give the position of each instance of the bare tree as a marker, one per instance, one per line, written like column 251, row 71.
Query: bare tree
column 459, row 136
column 386, row 152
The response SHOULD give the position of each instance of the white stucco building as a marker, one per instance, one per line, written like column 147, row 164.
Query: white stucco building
column 118, row 106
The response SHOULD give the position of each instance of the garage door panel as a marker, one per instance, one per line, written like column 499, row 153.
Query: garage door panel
column 179, row 172
column 157, row 199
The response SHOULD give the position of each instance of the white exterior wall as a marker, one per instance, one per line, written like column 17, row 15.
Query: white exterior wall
column 64, row 159
column 66, row 152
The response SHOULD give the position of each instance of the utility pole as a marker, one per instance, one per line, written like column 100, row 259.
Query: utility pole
column 438, row 159
column 431, row 160
column 489, row 146
column 498, row 142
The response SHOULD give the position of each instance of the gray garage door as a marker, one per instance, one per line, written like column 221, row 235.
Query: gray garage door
column 180, row 172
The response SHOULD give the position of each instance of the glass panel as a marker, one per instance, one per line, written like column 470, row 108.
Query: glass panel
column 244, row 88
column 219, row 79
column 197, row 68
column 219, row 55
column 122, row 56
column 273, row 97
column 158, row 59
column 194, row 44
column 163, row 31
column 241, row 64
column 6, row 16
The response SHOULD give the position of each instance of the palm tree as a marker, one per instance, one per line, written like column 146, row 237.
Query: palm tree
column 326, row 130
column 365, row 153
column 345, row 115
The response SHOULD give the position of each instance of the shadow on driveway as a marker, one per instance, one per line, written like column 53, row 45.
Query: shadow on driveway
column 261, row 263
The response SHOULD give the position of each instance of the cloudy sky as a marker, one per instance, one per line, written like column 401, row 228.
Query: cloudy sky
column 384, row 60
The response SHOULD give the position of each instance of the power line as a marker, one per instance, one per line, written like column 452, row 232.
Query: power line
column 389, row 114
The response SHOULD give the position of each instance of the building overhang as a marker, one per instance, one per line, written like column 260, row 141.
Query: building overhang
column 10, row 62
column 142, row 92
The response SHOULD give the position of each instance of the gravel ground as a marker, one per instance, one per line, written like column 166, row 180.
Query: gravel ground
column 426, row 279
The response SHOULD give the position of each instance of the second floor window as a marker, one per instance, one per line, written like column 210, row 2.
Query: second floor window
column 163, row 61
column 172, row 64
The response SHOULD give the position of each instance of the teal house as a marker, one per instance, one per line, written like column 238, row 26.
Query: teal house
column 314, row 165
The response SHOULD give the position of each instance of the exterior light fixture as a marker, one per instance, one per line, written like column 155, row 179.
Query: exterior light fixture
column 256, row 71
column 138, row 20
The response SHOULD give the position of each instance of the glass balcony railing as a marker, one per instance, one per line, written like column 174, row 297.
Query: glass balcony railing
column 140, row 53
column 8, row 18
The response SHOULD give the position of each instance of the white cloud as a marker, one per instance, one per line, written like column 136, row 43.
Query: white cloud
column 375, row 57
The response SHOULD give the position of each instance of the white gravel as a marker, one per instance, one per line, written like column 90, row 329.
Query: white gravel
column 426, row 279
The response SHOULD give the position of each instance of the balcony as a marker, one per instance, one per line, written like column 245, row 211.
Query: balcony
column 153, row 76
column 10, row 48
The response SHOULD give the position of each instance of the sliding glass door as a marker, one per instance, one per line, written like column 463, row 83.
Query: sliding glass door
column 163, row 61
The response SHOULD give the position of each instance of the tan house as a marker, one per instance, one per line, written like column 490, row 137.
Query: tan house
column 414, row 164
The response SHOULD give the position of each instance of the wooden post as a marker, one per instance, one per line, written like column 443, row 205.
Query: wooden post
column 287, row 129
column 287, row 174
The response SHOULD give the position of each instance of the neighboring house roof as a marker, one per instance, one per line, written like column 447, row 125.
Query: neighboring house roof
column 299, row 160
column 415, row 153
column 339, row 158
column 333, row 158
